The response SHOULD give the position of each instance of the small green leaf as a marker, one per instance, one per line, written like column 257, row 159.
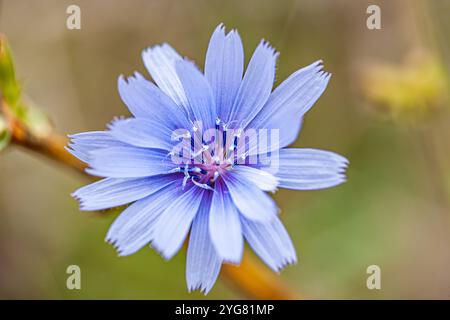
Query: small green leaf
column 9, row 87
column 5, row 136
column 34, row 118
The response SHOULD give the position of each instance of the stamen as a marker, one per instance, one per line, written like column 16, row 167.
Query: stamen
column 186, row 176
column 235, row 143
column 195, row 170
column 216, row 159
column 226, row 125
column 186, row 135
column 239, row 132
column 203, row 148
column 185, row 180
column 218, row 122
column 175, row 170
column 170, row 154
column 224, row 138
column 201, row 185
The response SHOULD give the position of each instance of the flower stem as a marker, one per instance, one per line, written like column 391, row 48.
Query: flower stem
column 255, row 281
column 51, row 145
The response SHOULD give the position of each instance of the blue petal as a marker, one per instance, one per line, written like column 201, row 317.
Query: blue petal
column 172, row 227
column 131, row 93
column 134, row 228
column 251, row 201
column 145, row 133
column 202, row 262
column 198, row 92
column 310, row 169
column 224, row 225
column 160, row 62
column 145, row 100
column 255, row 87
column 128, row 162
column 81, row 144
column 224, row 66
column 113, row 192
column 289, row 102
column 271, row 242
column 263, row 179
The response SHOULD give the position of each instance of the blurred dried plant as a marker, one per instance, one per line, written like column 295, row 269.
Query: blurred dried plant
column 411, row 91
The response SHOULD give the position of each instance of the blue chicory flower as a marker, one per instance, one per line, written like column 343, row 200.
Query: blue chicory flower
column 178, row 180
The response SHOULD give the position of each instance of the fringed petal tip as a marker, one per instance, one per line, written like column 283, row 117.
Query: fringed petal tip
column 323, row 76
column 121, row 248
column 163, row 51
column 70, row 148
column 113, row 241
column 221, row 31
column 124, row 81
column 285, row 263
column 277, row 265
column 127, row 79
column 233, row 33
column 200, row 287
column 113, row 123
column 77, row 198
column 83, row 206
column 162, row 252
column 343, row 164
column 157, row 47
column 269, row 48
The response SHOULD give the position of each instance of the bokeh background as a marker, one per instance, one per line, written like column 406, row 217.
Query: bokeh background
column 385, row 109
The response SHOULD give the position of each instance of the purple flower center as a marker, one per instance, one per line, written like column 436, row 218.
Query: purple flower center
column 204, row 160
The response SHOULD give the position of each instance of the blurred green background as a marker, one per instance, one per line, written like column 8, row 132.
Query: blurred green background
column 392, row 212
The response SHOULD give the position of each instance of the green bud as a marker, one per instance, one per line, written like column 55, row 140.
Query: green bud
column 9, row 87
